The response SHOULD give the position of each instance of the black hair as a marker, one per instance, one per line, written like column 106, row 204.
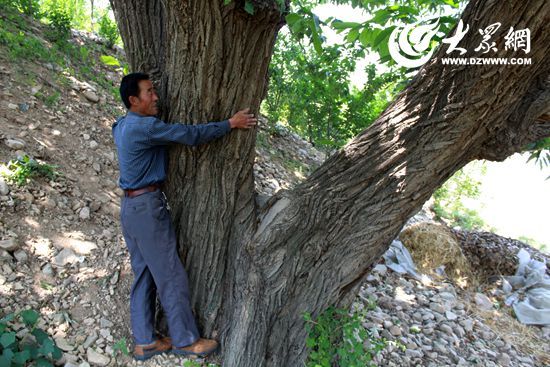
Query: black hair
column 129, row 86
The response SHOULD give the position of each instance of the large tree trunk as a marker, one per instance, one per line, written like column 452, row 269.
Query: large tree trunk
column 255, row 271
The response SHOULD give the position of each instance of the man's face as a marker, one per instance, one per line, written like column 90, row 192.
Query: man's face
column 146, row 103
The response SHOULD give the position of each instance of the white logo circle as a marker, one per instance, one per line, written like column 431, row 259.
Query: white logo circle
column 412, row 45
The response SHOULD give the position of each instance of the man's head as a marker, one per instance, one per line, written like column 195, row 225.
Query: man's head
column 138, row 94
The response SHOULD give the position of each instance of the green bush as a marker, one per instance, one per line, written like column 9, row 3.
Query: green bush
column 108, row 30
column 22, row 46
column 18, row 348
column 449, row 200
column 24, row 168
column 338, row 338
column 30, row 7
column 60, row 25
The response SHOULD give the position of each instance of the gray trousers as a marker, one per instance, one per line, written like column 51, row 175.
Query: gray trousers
column 157, row 268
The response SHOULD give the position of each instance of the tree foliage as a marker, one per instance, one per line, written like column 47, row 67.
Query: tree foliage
column 310, row 87
column 312, row 92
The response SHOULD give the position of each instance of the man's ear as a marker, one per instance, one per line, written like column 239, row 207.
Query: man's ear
column 133, row 100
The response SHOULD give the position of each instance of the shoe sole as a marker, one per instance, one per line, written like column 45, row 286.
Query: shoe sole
column 188, row 354
column 150, row 355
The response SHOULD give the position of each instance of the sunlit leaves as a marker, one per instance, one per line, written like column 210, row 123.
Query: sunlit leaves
column 29, row 317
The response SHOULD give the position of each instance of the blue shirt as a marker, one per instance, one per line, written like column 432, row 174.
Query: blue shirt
column 141, row 144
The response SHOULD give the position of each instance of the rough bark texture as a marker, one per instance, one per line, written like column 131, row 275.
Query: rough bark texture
column 254, row 272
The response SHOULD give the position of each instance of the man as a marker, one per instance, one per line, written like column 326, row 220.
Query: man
column 141, row 140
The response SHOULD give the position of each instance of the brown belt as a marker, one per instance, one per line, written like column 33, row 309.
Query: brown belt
column 131, row 193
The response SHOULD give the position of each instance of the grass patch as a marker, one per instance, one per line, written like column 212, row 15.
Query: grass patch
column 338, row 338
column 23, row 169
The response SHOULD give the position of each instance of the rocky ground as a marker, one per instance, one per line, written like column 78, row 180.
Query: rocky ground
column 62, row 253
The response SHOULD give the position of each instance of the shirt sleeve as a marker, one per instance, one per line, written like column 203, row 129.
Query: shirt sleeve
column 161, row 133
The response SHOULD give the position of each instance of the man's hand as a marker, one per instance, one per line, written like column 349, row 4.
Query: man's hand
column 243, row 120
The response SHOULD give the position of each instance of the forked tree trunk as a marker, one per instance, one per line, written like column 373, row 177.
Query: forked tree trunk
column 255, row 271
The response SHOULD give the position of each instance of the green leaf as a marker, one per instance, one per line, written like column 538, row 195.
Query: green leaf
column 48, row 347
column 7, row 339
column 226, row 2
column 316, row 38
column 381, row 17
column 109, row 60
column 248, row 7
column 292, row 18
column 451, row 3
column 29, row 317
column 364, row 37
column 32, row 349
column 22, row 357
column 40, row 335
column 57, row 353
column 383, row 36
column 352, row 35
column 43, row 362
column 6, row 358
column 338, row 24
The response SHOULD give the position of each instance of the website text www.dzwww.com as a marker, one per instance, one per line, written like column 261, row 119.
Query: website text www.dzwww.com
column 485, row 61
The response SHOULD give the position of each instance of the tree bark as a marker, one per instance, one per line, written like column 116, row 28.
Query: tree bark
column 255, row 271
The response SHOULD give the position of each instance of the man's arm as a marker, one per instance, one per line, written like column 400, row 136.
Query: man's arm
column 162, row 133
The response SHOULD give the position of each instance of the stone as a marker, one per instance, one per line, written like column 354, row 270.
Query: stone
column 95, row 206
column 450, row 315
column 63, row 344
column 395, row 330
column 97, row 359
column 437, row 307
column 4, row 188
column 94, row 144
column 47, row 270
column 65, row 256
column 483, row 302
column 412, row 353
column 48, row 203
column 10, row 244
column 467, row 324
column 459, row 331
column 90, row 339
column 114, row 278
column 84, row 213
column 80, row 247
column 91, row 96
column 504, row 359
column 105, row 333
column 446, row 329
column 104, row 323
column 15, row 144
column 5, row 255
column 20, row 255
